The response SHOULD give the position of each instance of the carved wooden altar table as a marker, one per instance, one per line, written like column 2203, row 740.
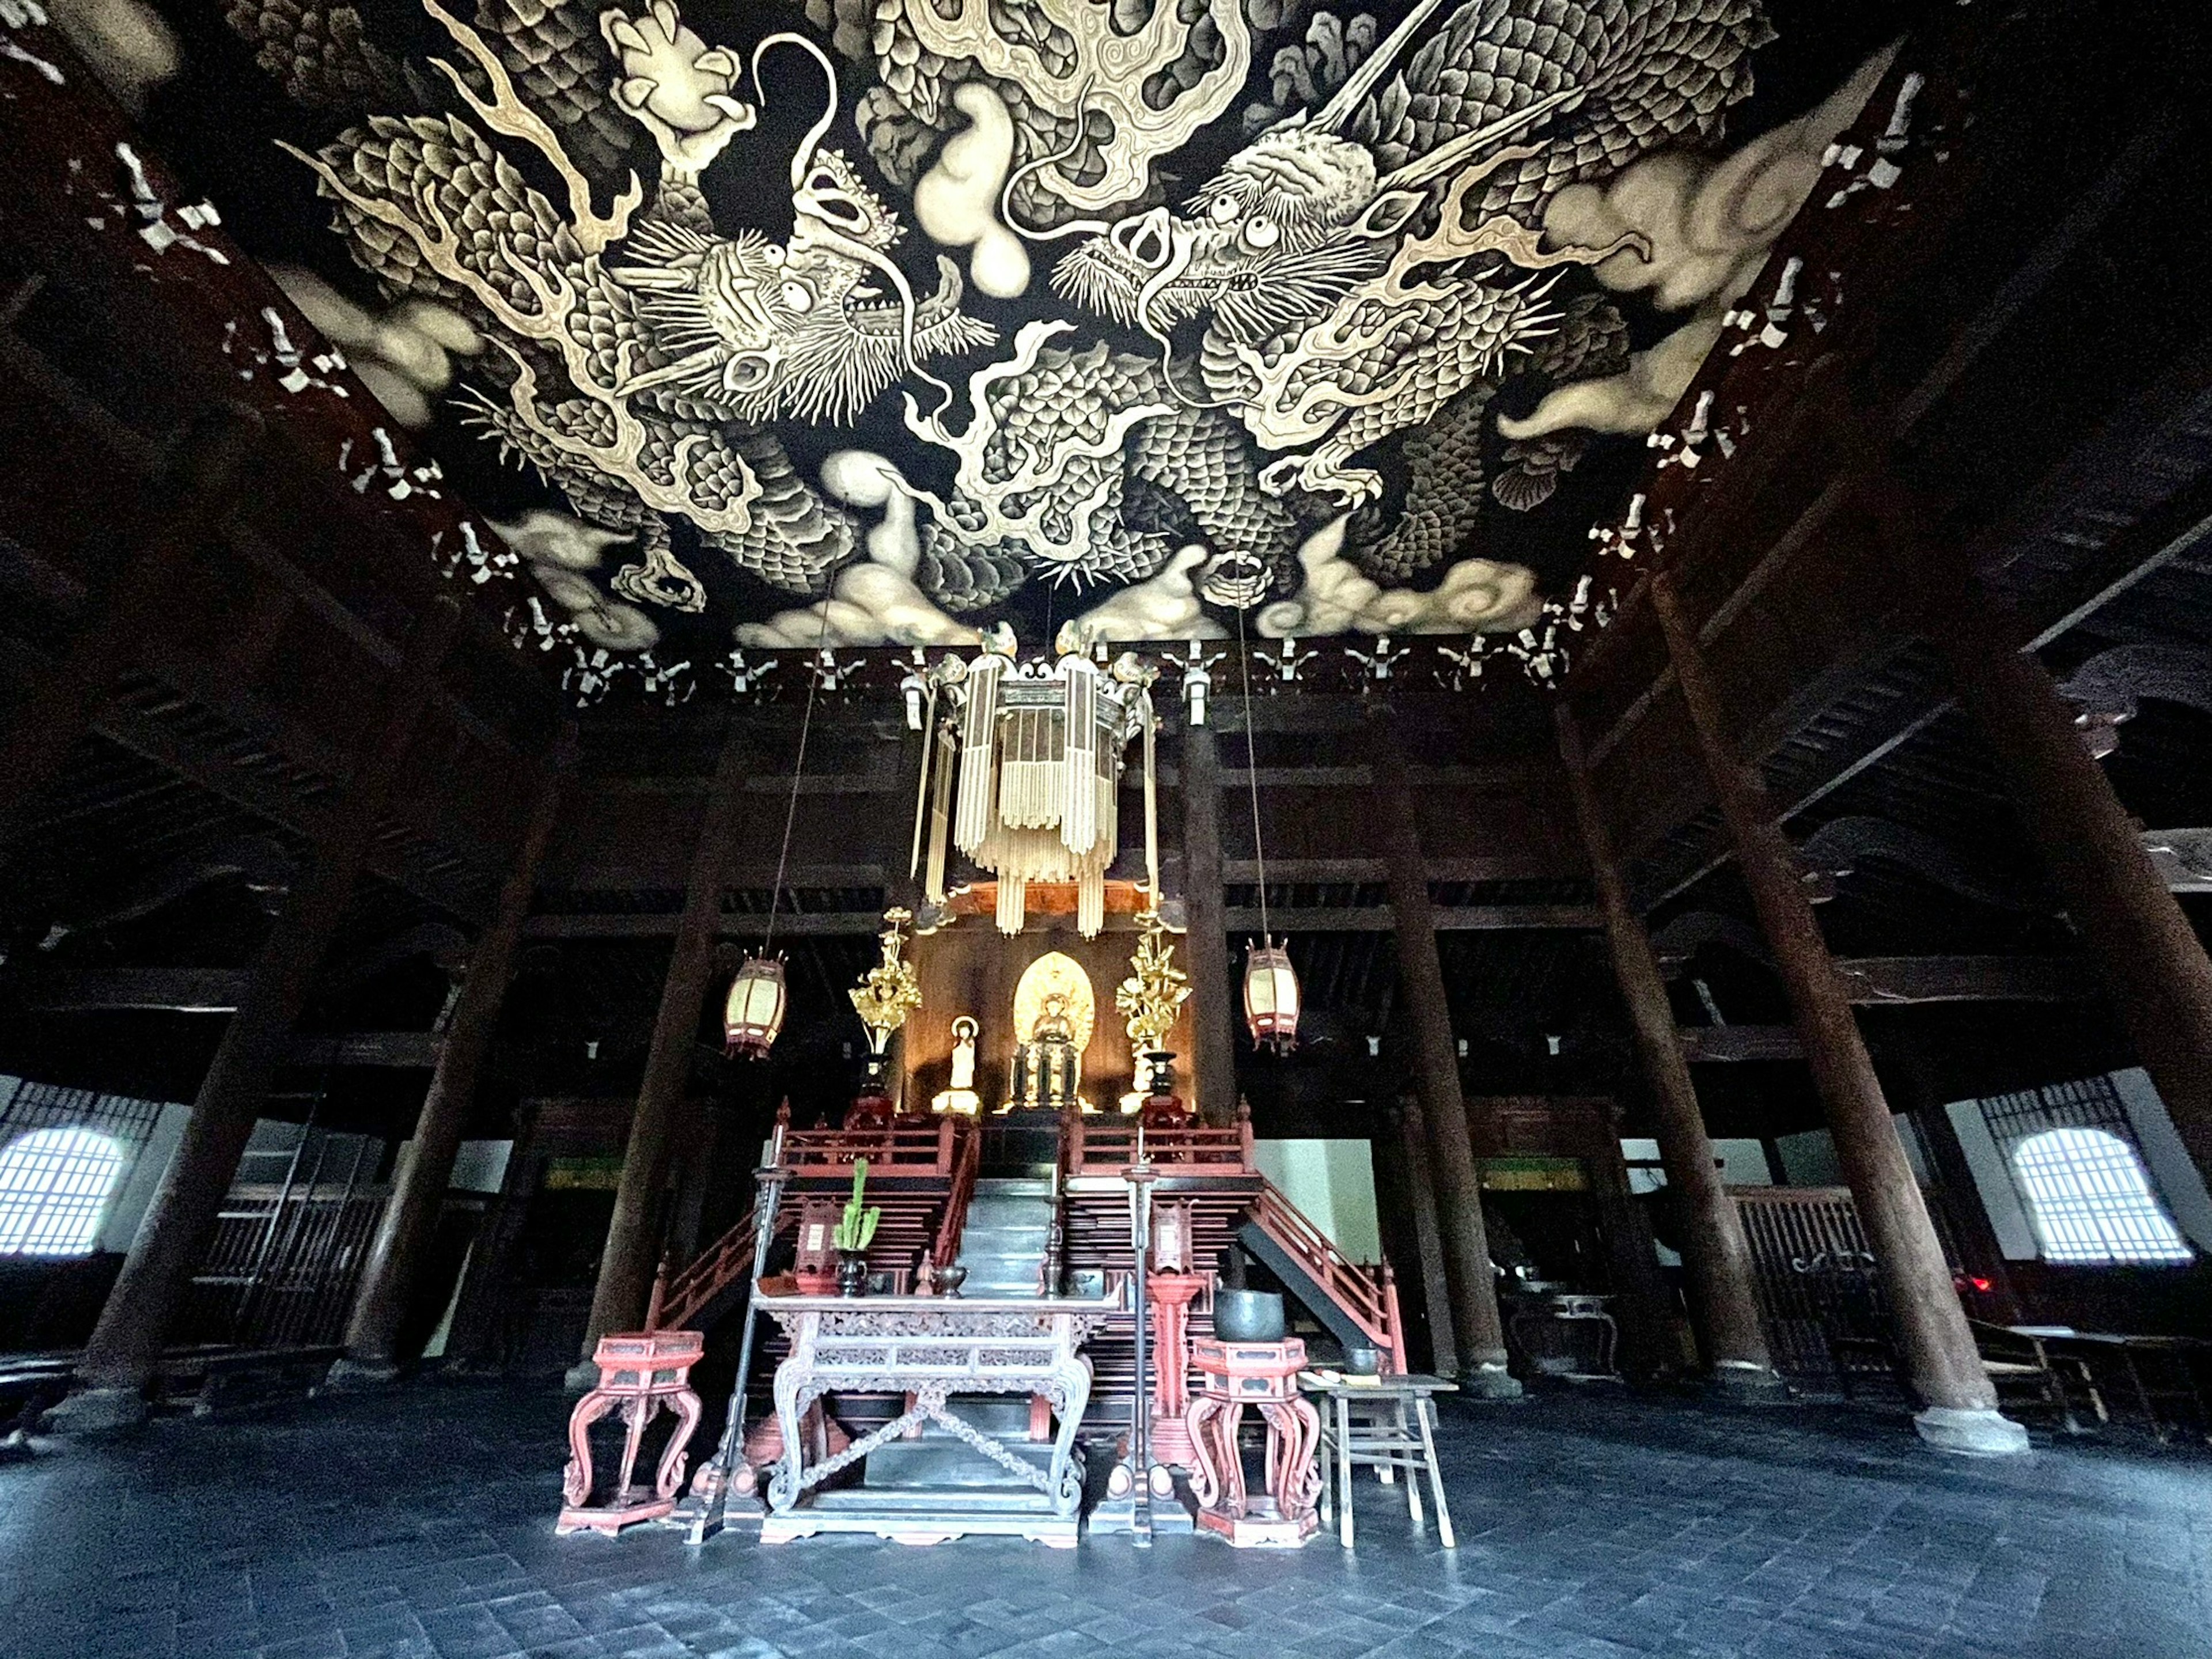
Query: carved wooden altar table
column 930, row 1349
column 1232, row 1376
column 640, row 1372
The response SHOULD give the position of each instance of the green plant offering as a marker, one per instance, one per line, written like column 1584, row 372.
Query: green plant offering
column 858, row 1224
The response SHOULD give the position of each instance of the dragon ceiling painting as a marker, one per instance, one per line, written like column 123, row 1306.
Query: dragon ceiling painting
column 866, row 322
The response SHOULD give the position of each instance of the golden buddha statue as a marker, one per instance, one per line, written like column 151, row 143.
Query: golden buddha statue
column 1048, row 1064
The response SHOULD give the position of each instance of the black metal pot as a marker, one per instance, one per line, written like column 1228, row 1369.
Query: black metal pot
column 1248, row 1316
column 852, row 1273
column 1360, row 1361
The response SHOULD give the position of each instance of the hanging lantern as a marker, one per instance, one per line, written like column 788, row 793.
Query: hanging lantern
column 1271, row 996
column 753, row 1015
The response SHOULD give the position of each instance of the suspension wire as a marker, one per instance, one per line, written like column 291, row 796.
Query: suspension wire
column 1252, row 774
column 798, row 771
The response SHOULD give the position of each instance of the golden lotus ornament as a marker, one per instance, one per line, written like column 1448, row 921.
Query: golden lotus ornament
column 1153, row 996
column 889, row 991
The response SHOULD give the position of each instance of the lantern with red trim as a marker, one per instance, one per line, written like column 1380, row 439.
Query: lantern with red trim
column 1271, row 996
column 753, row 1017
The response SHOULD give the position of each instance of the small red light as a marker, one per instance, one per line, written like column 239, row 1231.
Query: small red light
column 1979, row 1284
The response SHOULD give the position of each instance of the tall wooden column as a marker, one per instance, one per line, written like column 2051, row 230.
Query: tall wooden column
column 1475, row 1322
column 475, row 1343
column 1960, row 1413
column 1715, row 1255
column 207, row 469
column 627, row 1265
column 418, row 1189
column 126, row 1344
column 2160, row 976
column 1421, row 1194
column 1205, row 944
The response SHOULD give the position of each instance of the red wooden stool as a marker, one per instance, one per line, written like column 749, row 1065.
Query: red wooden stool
column 640, row 1372
column 1232, row 1376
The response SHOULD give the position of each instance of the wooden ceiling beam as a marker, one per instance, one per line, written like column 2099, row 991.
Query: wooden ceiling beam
column 1852, row 640
column 153, row 740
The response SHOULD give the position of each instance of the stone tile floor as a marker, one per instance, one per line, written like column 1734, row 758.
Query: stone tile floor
column 419, row 1524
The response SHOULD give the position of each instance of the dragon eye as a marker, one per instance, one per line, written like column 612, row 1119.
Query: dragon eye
column 1225, row 209
column 797, row 296
column 1262, row 232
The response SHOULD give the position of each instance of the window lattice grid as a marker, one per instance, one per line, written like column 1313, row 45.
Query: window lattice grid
column 26, row 1106
column 2091, row 1201
column 2089, row 1102
column 53, row 1185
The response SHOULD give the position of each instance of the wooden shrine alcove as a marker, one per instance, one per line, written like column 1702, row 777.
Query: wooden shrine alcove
column 1557, row 1160
column 969, row 967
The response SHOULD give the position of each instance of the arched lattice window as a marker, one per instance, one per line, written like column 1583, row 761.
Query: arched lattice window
column 2091, row 1201
column 53, row 1185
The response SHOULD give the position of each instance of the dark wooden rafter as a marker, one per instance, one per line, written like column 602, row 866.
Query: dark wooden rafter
column 309, row 570
column 1849, row 688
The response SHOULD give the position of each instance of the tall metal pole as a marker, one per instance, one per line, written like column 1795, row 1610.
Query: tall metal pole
column 1140, row 1175
column 712, row 1511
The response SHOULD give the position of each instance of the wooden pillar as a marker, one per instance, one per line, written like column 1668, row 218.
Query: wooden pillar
column 126, row 1344
column 1205, row 944
column 387, row 1284
column 1716, row 1258
column 632, row 1252
column 2155, row 964
column 206, row 470
column 474, row 1344
column 1960, row 1411
column 1480, row 1336
column 1421, row 1193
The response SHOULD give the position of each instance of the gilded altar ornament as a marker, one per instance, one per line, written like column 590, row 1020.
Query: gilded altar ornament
column 1150, row 998
column 1027, row 775
column 890, row 992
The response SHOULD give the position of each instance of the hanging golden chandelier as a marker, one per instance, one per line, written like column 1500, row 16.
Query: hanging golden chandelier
column 1024, row 773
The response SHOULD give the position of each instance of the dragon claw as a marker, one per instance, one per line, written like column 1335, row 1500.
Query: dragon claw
column 675, row 86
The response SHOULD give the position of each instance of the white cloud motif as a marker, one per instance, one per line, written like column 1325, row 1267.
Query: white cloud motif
column 1338, row 598
column 1164, row 608
column 874, row 602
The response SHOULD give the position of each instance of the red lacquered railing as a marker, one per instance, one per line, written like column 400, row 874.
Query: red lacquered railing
column 908, row 1147
column 678, row 1298
column 1094, row 1146
column 955, row 1222
column 1368, row 1295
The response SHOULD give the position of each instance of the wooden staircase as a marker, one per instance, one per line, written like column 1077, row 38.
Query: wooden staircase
column 921, row 1175
column 924, row 1174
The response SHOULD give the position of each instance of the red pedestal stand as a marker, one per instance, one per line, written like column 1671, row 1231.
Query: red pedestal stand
column 640, row 1372
column 1172, row 1295
column 1232, row 1376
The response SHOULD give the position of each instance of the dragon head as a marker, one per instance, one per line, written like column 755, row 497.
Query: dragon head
column 756, row 330
column 1294, row 222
